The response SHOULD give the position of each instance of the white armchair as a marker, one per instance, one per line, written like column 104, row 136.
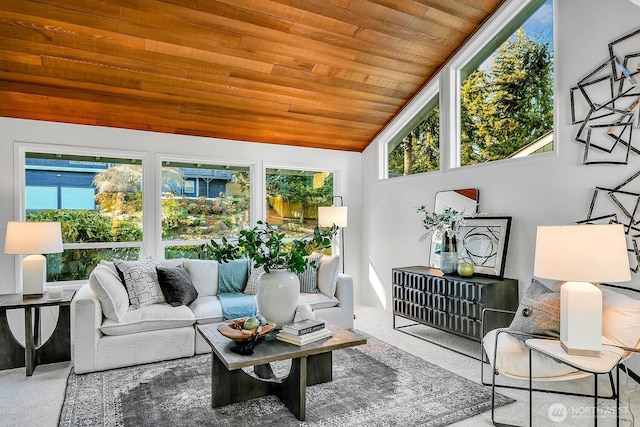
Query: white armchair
column 506, row 354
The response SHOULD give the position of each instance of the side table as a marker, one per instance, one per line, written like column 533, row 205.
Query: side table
column 607, row 362
column 58, row 346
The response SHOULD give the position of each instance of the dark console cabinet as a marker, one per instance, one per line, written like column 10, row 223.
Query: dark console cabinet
column 450, row 302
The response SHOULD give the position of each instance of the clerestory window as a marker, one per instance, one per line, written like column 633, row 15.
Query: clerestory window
column 497, row 93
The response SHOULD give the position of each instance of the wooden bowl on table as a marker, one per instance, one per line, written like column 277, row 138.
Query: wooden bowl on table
column 233, row 329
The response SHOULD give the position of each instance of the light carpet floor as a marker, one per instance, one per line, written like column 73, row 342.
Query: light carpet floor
column 36, row 401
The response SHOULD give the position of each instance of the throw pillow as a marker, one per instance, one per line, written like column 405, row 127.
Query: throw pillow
column 252, row 281
column 141, row 280
column 232, row 275
column 620, row 318
column 107, row 286
column 309, row 277
column 176, row 285
column 538, row 312
column 204, row 275
column 328, row 274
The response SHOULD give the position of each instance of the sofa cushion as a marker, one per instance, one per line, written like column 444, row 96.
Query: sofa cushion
column 150, row 318
column 113, row 297
column 141, row 281
column 176, row 285
column 203, row 274
column 318, row 300
column 207, row 309
column 620, row 318
column 513, row 358
column 309, row 277
column 232, row 276
column 328, row 271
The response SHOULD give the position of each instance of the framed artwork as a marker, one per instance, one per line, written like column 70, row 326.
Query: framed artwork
column 483, row 243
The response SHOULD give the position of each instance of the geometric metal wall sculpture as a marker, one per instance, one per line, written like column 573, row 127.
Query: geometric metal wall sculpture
column 606, row 103
column 619, row 205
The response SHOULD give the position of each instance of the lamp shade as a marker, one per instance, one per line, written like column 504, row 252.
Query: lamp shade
column 582, row 253
column 27, row 238
column 329, row 215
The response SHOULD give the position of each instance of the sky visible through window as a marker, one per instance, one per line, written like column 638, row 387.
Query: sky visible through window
column 539, row 28
column 540, row 25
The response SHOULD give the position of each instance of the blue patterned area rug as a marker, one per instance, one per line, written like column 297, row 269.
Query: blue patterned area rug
column 374, row 385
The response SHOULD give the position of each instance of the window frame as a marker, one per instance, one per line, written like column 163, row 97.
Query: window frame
column 503, row 23
column 295, row 166
column 396, row 140
column 160, row 158
column 20, row 154
column 403, row 124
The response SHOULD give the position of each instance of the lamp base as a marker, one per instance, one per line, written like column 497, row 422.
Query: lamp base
column 581, row 319
column 34, row 276
column 580, row 351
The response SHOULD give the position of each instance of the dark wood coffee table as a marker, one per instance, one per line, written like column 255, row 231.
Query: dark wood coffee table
column 311, row 364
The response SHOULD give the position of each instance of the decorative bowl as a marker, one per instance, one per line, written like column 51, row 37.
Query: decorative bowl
column 233, row 329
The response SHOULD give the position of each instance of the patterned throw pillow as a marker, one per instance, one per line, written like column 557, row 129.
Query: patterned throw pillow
column 141, row 280
column 252, row 281
column 309, row 278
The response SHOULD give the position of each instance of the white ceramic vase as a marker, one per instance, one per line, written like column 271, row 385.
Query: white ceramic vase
column 277, row 294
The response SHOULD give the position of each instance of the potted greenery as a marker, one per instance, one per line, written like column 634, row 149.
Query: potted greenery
column 267, row 248
column 445, row 227
column 278, row 288
column 442, row 224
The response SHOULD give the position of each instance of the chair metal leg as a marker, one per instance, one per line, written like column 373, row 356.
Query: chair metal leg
column 595, row 400
column 530, row 390
column 493, row 393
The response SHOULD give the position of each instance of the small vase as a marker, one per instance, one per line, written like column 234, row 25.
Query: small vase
column 277, row 295
column 449, row 255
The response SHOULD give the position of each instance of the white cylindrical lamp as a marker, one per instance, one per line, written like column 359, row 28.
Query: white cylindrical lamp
column 33, row 239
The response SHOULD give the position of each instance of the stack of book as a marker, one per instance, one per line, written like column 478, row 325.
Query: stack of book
column 304, row 332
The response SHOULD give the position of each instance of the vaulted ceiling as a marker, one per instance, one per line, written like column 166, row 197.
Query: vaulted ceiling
column 313, row 73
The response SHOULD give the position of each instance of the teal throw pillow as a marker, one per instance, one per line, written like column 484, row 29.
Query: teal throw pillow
column 232, row 276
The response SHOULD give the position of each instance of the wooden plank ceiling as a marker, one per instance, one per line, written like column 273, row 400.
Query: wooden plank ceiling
column 313, row 73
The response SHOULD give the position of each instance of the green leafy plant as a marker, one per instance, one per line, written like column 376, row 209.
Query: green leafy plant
column 267, row 248
column 440, row 224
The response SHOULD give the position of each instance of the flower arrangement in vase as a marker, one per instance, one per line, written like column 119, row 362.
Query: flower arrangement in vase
column 444, row 226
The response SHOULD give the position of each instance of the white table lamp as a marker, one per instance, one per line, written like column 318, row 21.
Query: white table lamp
column 330, row 215
column 581, row 255
column 33, row 239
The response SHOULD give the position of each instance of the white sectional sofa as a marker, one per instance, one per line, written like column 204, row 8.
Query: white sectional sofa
column 107, row 332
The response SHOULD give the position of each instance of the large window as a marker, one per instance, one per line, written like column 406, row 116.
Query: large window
column 293, row 197
column 113, row 204
column 98, row 203
column 417, row 148
column 201, row 202
column 506, row 92
column 495, row 99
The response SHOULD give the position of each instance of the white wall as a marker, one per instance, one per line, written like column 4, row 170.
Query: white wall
column 543, row 189
column 347, row 168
